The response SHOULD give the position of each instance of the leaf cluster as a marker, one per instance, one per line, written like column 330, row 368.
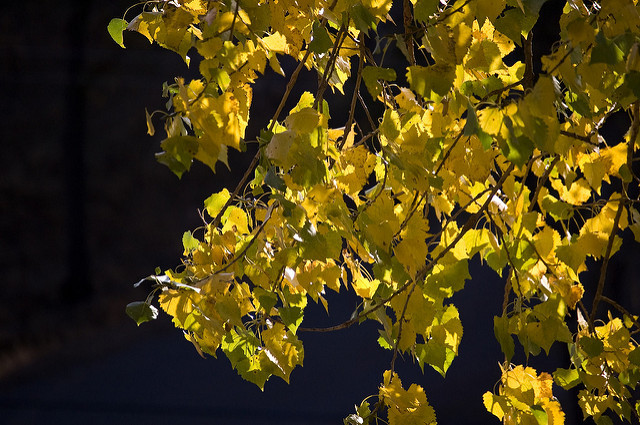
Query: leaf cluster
column 474, row 155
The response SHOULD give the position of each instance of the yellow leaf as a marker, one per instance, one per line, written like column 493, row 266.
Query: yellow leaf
column 278, row 148
column 357, row 164
column 276, row 43
column 406, row 407
column 491, row 120
column 407, row 100
column 577, row 194
column 545, row 242
column 283, row 349
column 303, row 121
column 364, row 287
column 495, row 404
column 210, row 47
column 236, row 221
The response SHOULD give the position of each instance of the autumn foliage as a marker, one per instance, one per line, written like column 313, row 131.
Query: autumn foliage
column 475, row 154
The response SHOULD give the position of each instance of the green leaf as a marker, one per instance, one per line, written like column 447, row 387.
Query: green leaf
column 189, row 242
column 519, row 149
column 472, row 126
column 540, row 414
column 291, row 317
column 371, row 75
column 432, row 82
column 604, row 420
column 501, row 331
column 273, row 180
column 514, row 23
column 362, row 18
column 214, row 203
column 606, row 51
column 592, row 347
column 141, row 312
column 632, row 80
column 115, row 28
column 484, row 56
column 634, row 356
column 566, row 378
column 423, row 9
column 321, row 42
column 438, row 356
column 447, row 279
column 178, row 153
column 267, row 299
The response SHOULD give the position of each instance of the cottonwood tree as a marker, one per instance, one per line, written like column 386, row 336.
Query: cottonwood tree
column 475, row 151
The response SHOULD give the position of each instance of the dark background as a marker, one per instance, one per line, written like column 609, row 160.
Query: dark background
column 86, row 211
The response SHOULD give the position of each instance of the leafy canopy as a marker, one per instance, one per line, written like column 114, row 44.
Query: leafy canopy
column 476, row 153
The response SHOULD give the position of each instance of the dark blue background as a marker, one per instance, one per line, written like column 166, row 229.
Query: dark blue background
column 86, row 211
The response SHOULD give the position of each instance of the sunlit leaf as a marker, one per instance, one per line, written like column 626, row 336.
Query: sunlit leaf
column 141, row 312
column 115, row 28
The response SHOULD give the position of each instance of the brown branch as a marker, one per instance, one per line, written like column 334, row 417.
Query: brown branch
column 500, row 90
column 256, row 158
column 529, row 76
column 356, row 90
column 233, row 22
column 251, row 242
column 415, row 204
column 605, row 263
column 422, row 272
column 371, row 201
column 328, row 70
column 513, row 270
column 287, row 92
column 471, row 222
column 455, row 215
column 448, row 152
column 401, row 321
column 407, row 16
column 635, row 128
column 586, row 139
column 507, row 291
column 622, row 310
column 541, row 183
column 366, row 111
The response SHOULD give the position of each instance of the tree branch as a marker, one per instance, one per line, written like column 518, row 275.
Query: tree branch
column 354, row 97
column 622, row 310
column 605, row 263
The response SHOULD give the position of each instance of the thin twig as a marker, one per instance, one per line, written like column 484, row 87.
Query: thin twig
column 448, row 152
column 542, row 182
column 256, row 158
column 621, row 310
column 401, row 321
column 529, row 76
column 586, row 139
column 354, row 97
column 233, row 22
column 329, row 68
column 251, row 242
column 633, row 134
column 422, row 272
column 605, row 263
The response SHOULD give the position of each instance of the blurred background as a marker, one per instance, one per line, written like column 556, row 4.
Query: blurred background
column 86, row 211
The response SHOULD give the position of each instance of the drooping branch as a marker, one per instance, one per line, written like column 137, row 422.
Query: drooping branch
column 422, row 273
